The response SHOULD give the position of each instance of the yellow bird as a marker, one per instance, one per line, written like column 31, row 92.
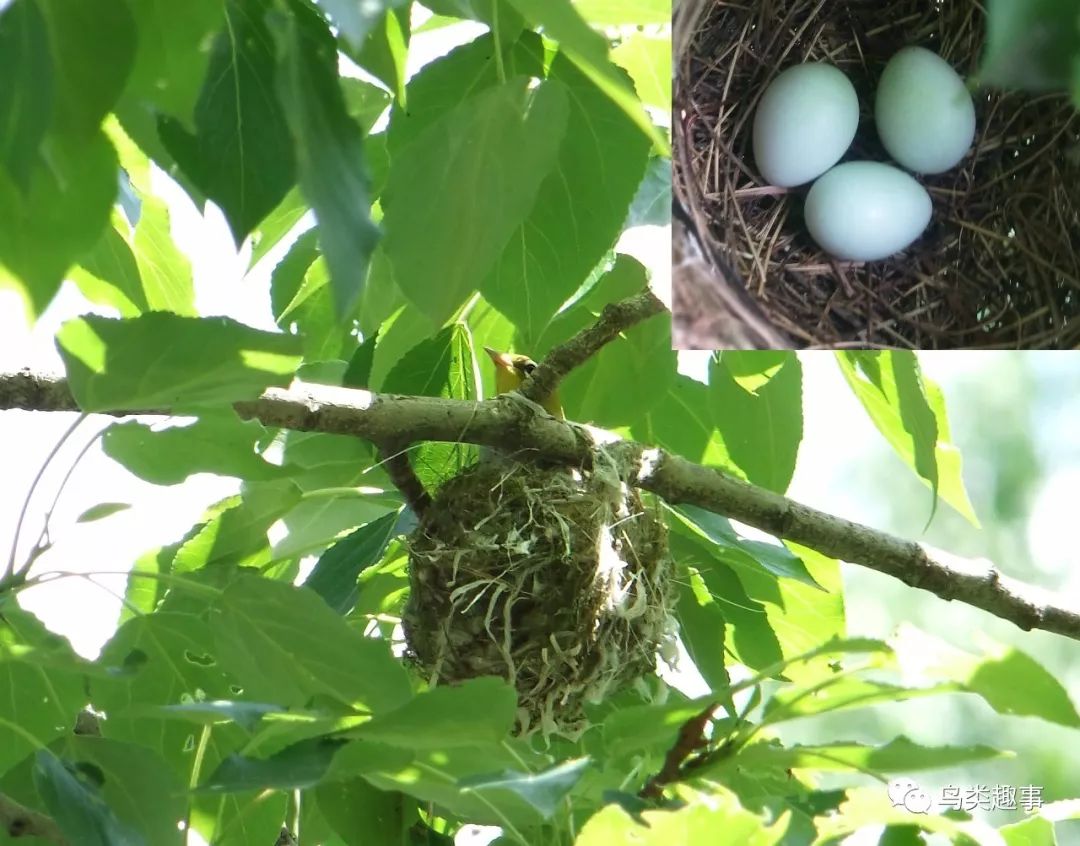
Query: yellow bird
column 512, row 369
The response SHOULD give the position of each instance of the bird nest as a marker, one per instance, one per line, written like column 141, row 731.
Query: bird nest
column 999, row 265
column 554, row 579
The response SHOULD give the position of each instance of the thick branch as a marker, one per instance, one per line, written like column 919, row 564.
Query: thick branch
column 516, row 427
column 614, row 319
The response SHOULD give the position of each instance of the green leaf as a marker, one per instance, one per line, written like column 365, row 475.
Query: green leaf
column 44, row 686
column 910, row 412
column 356, row 19
column 296, row 767
column 696, row 819
column 650, row 728
column 651, row 205
column 286, row 645
column 385, row 50
column 241, row 153
column 444, row 84
column 364, row 102
column 682, row 423
column 841, row 694
column 247, row 715
column 702, row 628
column 1034, row 831
column 358, row 373
column 108, row 274
column 756, row 401
column 1010, row 681
column 899, row 755
column 329, row 148
column 545, row 791
column 456, row 195
column 73, row 801
column 215, row 443
column 136, row 784
column 589, row 51
column 774, row 558
column 648, row 61
column 335, row 573
column 236, row 533
column 57, row 216
column 615, row 12
column 1032, row 45
column 101, row 511
column 439, row 367
column 26, row 96
column 164, row 360
column 173, row 54
column 480, row 710
column 276, row 225
column 360, row 813
column 174, row 658
column 598, row 166
column 93, row 49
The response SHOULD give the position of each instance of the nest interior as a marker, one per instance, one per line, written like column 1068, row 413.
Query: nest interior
column 553, row 579
column 999, row 266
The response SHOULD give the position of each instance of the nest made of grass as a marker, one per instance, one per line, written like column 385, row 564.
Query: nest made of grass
column 999, row 265
column 554, row 579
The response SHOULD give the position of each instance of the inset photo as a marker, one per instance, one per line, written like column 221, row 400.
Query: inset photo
column 864, row 175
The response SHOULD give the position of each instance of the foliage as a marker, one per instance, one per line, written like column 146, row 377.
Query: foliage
column 237, row 696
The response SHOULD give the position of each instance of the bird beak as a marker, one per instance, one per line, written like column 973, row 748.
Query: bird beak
column 501, row 359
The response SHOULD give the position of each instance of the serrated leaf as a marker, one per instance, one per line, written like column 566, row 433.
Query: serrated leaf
column 456, row 195
column 164, row 360
column 756, row 402
column 44, row 686
column 545, row 790
column 384, row 52
column 215, row 443
column 329, row 147
column 561, row 21
column 334, row 576
column 57, row 216
column 697, row 819
column 899, row 755
column 647, row 59
column 296, row 767
column 901, row 403
column 599, row 165
column 615, row 12
column 108, row 274
column 286, row 645
column 480, row 710
column 241, row 153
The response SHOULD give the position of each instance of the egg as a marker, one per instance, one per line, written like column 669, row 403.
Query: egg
column 924, row 113
column 804, row 123
column 866, row 210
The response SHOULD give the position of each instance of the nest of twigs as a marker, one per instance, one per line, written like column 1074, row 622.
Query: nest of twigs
column 556, row 580
column 999, row 265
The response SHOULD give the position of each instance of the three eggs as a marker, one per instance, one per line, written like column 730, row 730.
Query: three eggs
column 863, row 210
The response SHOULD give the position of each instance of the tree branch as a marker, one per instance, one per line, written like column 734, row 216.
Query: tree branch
column 516, row 427
column 19, row 821
column 614, row 319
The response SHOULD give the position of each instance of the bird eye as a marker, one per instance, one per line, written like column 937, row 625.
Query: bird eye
column 528, row 367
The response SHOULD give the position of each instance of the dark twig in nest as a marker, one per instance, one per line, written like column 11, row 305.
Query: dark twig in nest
column 998, row 268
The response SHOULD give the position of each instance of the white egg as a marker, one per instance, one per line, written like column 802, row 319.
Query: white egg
column 866, row 211
column 804, row 123
column 924, row 113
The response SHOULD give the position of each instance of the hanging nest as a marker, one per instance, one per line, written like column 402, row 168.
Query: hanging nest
column 999, row 265
column 553, row 579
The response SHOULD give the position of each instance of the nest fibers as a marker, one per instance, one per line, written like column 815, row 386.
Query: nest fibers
column 553, row 579
column 999, row 266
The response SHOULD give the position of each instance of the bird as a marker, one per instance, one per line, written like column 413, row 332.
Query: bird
column 511, row 371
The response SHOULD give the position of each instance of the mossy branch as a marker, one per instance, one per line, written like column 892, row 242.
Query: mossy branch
column 517, row 427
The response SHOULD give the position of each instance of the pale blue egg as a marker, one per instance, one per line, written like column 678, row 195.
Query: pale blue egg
column 924, row 113
column 804, row 123
column 866, row 211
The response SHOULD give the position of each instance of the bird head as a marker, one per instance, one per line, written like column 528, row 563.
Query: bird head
column 511, row 371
